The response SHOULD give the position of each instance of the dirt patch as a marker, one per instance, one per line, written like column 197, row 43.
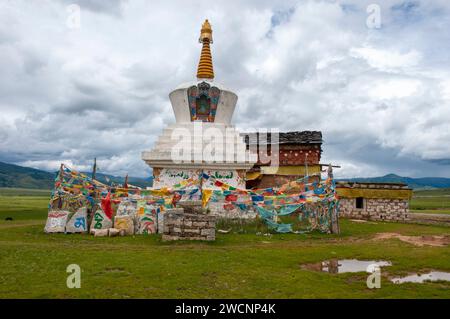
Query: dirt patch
column 115, row 269
column 429, row 240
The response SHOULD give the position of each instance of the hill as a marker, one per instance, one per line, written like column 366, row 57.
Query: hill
column 24, row 177
column 15, row 176
column 415, row 183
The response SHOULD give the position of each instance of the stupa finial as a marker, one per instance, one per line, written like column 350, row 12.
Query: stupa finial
column 205, row 66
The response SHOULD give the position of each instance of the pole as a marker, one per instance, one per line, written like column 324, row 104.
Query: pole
column 61, row 179
column 334, row 213
column 92, row 210
column 94, row 168
column 306, row 164
column 125, row 185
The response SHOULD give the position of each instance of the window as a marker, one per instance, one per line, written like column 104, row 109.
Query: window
column 359, row 202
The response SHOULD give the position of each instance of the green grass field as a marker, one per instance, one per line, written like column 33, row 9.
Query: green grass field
column 236, row 265
column 436, row 201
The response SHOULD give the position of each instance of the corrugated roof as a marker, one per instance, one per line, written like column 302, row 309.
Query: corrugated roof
column 295, row 137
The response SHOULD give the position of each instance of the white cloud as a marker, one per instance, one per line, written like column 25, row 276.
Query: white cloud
column 393, row 89
column 387, row 60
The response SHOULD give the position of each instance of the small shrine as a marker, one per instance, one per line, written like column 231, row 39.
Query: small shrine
column 201, row 165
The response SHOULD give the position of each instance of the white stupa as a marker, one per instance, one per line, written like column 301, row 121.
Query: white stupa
column 202, row 140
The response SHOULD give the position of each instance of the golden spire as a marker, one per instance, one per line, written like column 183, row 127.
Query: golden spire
column 205, row 66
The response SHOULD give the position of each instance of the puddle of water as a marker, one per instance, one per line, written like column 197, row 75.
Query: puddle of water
column 335, row 266
column 431, row 276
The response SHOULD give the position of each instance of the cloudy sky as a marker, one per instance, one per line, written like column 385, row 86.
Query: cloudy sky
column 378, row 89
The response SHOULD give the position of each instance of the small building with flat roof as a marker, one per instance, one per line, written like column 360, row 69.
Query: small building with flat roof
column 374, row 201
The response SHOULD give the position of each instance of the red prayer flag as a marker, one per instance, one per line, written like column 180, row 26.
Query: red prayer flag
column 106, row 205
column 231, row 198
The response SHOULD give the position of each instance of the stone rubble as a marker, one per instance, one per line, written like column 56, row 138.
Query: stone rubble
column 191, row 225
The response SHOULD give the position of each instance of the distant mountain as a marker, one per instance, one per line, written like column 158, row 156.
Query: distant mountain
column 25, row 177
column 415, row 183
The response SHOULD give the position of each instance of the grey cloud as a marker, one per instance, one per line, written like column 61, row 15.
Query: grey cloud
column 441, row 161
column 113, row 7
column 102, row 91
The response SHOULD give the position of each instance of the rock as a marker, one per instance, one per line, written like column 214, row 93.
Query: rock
column 147, row 223
column 208, row 232
column 199, row 224
column 192, row 230
column 56, row 221
column 127, row 207
column 124, row 223
column 78, row 222
column 113, row 232
column 160, row 219
column 100, row 220
column 101, row 232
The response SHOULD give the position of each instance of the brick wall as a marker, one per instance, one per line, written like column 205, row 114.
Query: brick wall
column 293, row 155
column 379, row 209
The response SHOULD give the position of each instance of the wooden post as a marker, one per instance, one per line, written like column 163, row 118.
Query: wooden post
column 92, row 210
column 61, row 172
column 306, row 164
column 94, row 168
column 334, row 213
column 61, row 179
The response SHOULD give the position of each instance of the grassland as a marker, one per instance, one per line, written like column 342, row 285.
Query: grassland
column 436, row 201
column 23, row 204
column 237, row 265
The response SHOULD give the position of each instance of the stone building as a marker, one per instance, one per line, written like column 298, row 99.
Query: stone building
column 374, row 201
column 283, row 158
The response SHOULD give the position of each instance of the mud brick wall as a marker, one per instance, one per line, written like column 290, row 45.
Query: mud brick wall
column 379, row 209
column 179, row 225
column 291, row 154
column 295, row 154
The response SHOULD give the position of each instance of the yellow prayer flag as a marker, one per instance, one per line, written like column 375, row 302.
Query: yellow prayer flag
column 206, row 195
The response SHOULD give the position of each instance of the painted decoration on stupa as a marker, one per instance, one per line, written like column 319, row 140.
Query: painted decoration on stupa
column 203, row 101
column 230, row 177
column 190, row 178
column 185, row 178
